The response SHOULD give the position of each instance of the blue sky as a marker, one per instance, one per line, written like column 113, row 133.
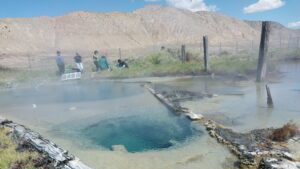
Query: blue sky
column 286, row 12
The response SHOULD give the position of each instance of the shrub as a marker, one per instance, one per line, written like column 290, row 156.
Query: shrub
column 286, row 132
column 224, row 53
column 155, row 59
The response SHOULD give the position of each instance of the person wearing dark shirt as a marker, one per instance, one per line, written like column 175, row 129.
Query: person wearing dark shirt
column 60, row 63
column 95, row 59
column 78, row 61
column 122, row 64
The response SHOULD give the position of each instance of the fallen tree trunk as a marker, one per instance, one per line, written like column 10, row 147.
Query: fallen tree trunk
column 61, row 158
column 172, row 106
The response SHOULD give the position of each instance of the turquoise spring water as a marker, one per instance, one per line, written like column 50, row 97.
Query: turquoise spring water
column 100, row 115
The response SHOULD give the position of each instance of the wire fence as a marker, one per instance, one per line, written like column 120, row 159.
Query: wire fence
column 279, row 46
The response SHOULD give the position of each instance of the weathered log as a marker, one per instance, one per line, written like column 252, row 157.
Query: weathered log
column 59, row 155
column 189, row 114
column 61, row 158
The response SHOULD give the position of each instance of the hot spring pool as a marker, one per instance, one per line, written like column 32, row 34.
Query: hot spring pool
column 138, row 134
column 91, row 118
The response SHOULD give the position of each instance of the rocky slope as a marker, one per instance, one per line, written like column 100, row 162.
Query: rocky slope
column 146, row 27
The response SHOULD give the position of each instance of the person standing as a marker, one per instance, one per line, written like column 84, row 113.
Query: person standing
column 60, row 63
column 78, row 61
column 95, row 59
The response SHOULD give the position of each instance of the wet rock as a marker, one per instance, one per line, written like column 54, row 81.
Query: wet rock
column 191, row 159
column 230, row 163
column 194, row 116
column 273, row 163
column 4, row 122
column 241, row 77
column 177, row 95
column 222, row 119
column 25, row 146
column 43, row 162
column 119, row 148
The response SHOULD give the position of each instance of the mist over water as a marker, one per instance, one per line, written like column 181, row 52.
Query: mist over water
column 245, row 103
column 91, row 125
column 89, row 118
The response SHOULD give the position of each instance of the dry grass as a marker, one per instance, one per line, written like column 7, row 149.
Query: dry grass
column 286, row 132
column 10, row 157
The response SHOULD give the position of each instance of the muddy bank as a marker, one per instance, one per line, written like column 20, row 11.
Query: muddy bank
column 52, row 156
column 254, row 149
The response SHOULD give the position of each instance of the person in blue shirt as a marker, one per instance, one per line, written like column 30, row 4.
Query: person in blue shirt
column 60, row 63
column 103, row 63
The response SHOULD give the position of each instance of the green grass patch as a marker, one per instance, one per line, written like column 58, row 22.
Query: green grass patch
column 233, row 65
column 163, row 63
column 15, row 76
column 160, row 64
column 9, row 155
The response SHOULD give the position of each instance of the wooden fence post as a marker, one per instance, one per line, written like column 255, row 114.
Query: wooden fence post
column 269, row 100
column 263, row 50
column 206, row 57
column 120, row 53
column 183, row 53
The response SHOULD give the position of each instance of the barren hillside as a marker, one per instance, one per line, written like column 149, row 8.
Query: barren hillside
column 152, row 25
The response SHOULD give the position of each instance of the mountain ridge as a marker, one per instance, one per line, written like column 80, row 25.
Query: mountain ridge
column 142, row 28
